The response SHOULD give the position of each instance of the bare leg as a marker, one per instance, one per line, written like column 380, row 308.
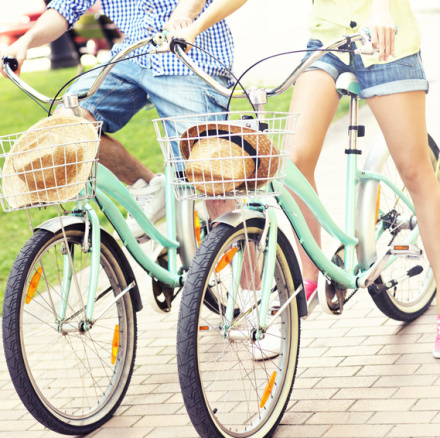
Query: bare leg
column 402, row 120
column 115, row 157
column 315, row 99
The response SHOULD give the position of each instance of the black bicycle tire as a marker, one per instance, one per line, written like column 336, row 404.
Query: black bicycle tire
column 11, row 331
column 187, row 328
column 383, row 301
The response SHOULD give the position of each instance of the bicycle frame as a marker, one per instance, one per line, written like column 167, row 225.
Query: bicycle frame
column 351, row 275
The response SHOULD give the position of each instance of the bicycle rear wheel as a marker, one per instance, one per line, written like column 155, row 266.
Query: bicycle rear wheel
column 411, row 297
column 70, row 380
column 223, row 384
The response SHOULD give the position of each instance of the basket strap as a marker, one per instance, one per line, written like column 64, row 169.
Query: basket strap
column 236, row 139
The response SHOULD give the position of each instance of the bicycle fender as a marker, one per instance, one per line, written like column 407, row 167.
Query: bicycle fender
column 235, row 217
column 366, row 204
column 54, row 225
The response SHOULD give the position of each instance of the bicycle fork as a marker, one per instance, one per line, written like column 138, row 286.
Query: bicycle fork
column 268, row 246
column 70, row 277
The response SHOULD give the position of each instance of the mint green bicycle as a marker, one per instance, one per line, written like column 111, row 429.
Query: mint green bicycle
column 237, row 369
column 69, row 314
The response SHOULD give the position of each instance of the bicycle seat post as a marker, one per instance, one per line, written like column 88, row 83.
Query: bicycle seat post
column 348, row 85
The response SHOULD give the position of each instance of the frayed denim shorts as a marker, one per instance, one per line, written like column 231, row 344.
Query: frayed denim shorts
column 402, row 75
column 130, row 87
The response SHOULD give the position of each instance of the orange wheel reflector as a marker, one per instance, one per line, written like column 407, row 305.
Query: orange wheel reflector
column 115, row 344
column 197, row 228
column 377, row 204
column 401, row 247
column 226, row 259
column 268, row 389
column 33, row 285
column 203, row 328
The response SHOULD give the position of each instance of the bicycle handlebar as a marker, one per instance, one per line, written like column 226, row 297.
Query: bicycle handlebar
column 178, row 46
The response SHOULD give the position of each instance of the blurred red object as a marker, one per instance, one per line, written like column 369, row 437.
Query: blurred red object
column 18, row 19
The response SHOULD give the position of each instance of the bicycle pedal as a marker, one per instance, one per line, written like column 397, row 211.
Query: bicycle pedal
column 409, row 251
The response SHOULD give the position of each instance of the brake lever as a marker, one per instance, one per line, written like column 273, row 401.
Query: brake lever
column 159, row 43
column 367, row 46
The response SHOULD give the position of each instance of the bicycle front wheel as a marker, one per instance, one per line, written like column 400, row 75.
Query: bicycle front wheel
column 70, row 379
column 395, row 222
column 232, row 384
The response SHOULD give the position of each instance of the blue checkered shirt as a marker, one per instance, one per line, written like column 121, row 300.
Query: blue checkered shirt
column 138, row 19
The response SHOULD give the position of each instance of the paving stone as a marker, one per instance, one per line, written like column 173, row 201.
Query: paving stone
column 357, row 431
column 370, row 360
column 163, row 420
column 122, row 421
column 381, row 405
column 389, row 370
column 123, row 432
column 362, row 393
column 322, row 405
column 173, row 431
column 347, row 382
column 421, row 417
column 431, row 404
column 340, row 418
column 338, row 342
column 417, row 392
column 293, row 418
column 300, row 431
column 415, row 430
column 414, row 380
column 368, row 350
column 331, row 372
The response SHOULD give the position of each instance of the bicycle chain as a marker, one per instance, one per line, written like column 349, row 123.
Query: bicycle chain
column 350, row 296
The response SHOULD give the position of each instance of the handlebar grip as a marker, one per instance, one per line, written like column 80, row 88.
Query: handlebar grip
column 177, row 42
column 11, row 61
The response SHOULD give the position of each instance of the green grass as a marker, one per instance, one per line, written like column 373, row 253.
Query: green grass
column 18, row 112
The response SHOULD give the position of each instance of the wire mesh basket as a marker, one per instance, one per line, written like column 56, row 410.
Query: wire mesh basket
column 54, row 161
column 226, row 155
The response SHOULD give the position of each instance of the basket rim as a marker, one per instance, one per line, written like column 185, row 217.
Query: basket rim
column 200, row 115
column 97, row 123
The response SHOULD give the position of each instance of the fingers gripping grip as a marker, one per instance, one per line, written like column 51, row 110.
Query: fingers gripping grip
column 178, row 42
column 12, row 62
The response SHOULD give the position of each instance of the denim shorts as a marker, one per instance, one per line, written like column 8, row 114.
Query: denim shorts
column 129, row 87
column 405, row 74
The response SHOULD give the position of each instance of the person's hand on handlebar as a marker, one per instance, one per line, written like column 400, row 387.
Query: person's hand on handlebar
column 382, row 30
column 188, row 35
column 17, row 50
column 48, row 28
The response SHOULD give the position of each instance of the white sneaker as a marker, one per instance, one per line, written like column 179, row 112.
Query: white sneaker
column 270, row 346
column 151, row 199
